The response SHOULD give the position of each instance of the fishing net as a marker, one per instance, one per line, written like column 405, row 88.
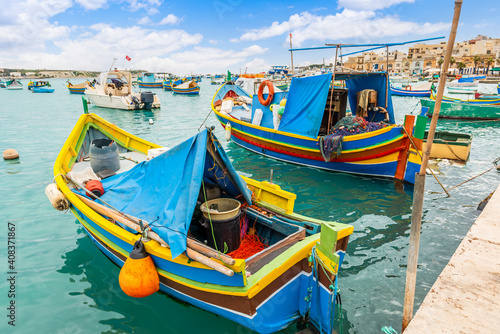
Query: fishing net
column 250, row 245
column 331, row 144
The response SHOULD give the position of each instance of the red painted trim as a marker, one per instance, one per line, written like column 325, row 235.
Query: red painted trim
column 304, row 156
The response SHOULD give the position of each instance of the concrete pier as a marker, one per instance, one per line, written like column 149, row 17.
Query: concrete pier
column 466, row 296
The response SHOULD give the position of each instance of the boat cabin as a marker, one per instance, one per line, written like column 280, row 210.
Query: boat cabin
column 116, row 83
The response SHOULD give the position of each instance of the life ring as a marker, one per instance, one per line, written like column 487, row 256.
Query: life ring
column 261, row 92
column 458, row 77
column 408, row 87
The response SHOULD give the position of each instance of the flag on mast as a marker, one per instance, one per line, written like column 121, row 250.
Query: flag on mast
column 128, row 58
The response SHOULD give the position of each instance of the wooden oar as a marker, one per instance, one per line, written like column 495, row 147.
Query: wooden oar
column 204, row 249
column 101, row 209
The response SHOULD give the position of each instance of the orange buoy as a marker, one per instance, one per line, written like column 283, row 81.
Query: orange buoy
column 10, row 154
column 260, row 93
column 138, row 276
column 95, row 187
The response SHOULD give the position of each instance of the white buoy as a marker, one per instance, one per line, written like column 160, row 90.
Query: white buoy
column 151, row 121
column 228, row 131
column 56, row 197
column 10, row 154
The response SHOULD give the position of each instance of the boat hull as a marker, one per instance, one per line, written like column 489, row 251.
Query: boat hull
column 149, row 84
column 450, row 145
column 190, row 91
column 76, row 90
column 456, row 110
column 115, row 102
column 374, row 154
column 43, row 90
column 404, row 92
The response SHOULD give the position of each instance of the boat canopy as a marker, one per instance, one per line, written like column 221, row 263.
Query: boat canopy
column 305, row 106
column 164, row 190
column 107, row 77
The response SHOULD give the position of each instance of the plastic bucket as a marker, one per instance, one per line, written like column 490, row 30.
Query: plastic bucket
column 225, row 232
column 104, row 155
column 221, row 208
column 225, row 219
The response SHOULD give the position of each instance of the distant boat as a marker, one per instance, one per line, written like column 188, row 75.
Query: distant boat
column 38, row 83
column 167, row 85
column 147, row 80
column 187, row 88
column 407, row 91
column 464, row 109
column 14, row 84
column 114, row 90
column 2, row 84
column 42, row 90
column 78, row 88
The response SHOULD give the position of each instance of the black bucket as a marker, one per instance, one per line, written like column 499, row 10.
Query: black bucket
column 225, row 231
column 104, row 155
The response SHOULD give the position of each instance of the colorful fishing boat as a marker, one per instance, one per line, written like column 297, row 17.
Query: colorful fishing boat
column 38, row 83
column 475, row 109
column 186, row 88
column 42, row 90
column 14, row 84
column 450, row 145
column 292, row 276
column 147, row 80
column 461, row 90
column 408, row 91
column 167, row 85
column 79, row 88
column 314, row 128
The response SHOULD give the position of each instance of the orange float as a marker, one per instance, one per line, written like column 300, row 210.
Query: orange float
column 270, row 86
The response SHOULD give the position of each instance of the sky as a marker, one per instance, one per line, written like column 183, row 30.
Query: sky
column 213, row 36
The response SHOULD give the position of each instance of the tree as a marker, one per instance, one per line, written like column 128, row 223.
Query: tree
column 476, row 60
column 489, row 61
column 440, row 62
column 452, row 61
column 461, row 67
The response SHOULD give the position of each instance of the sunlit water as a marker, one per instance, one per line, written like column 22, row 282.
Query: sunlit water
column 65, row 285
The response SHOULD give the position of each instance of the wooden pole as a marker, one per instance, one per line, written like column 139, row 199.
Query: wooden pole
column 418, row 194
column 331, row 92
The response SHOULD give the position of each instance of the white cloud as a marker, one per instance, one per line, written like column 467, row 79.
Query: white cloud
column 370, row 4
column 150, row 6
column 256, row 65
column 170, row 19
column 214, row 41
column 144, row 21
column 347, row 24
column 92, row 4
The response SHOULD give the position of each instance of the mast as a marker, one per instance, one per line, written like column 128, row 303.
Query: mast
column 291, row 53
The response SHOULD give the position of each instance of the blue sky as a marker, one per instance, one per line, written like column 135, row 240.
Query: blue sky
column 213, row 36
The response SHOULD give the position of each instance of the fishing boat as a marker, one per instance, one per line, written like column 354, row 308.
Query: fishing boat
column 186, row 88
column 38, row 83
column 14, row 84
column 408, row 91
column 42, row 90
column 309, row 125
column 147, row 80
column 167, row 85
column 450, row 145
column 79, row 88
column 474, row 109
column 290, row 276
column 461, row 90
column 114, row 90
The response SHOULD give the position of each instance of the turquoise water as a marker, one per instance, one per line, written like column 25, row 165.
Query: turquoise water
column 65, row 285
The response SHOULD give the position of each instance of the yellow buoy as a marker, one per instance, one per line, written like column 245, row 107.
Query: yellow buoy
column 138, row 276
column 10, row 154
column 283, row 102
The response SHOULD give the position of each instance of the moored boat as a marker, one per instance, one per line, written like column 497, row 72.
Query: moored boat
column 293, row 276
column 78, row 88
column 450, row 145
column 148, row 80
column 408, row 91
column 14, row 84
column 114, row 90
column 38, row 83
column 313, row 129
column 461, row 90
column 186, row 88
column 464, row 109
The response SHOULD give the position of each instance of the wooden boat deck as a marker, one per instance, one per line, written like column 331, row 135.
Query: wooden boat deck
column 466, row 296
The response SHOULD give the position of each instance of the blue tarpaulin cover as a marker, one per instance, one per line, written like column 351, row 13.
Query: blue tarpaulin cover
column 305, row 105
column 377, row 81
column 164, row 190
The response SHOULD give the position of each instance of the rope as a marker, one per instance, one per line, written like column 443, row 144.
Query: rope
column 420, row 155
column 205, row 119
column 472, row 178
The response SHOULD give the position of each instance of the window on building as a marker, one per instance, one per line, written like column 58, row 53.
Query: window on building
column 488, row 52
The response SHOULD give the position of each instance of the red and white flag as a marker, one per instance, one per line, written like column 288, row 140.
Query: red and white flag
column 128, row 58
